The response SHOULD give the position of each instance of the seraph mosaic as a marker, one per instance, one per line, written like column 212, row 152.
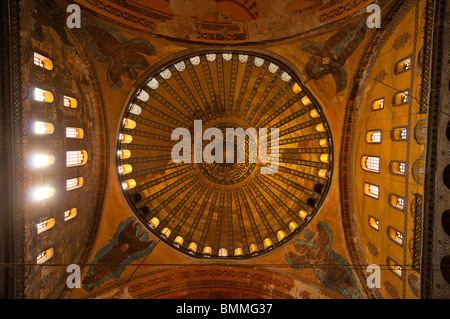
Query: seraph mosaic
column 329, row 267
column 123, row 56
column 129, row 243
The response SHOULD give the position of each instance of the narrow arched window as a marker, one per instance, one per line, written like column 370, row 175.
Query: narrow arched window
column 73, row 132
column 70, row 102
column 374, row 223
column 45, row 225
column 267, row 243
column 378, row 104
column 124, row 154
column 370, row 163
column 41, row 193
column 394, row 267
column 397, row 202
column 76, row 158
column 129, row 184
column 69, row 214
column 74, row 183
column 395, row 235
column 43, row 96
column 397, row 168
column 373, row 137
column 45, row 256
column 207, row 250
column 371, row 190
column 43, row 128
column 399, row 134
column 400, row 98
column 42, row 61
column 192, row 247
column 402, row 66
column 125, row 138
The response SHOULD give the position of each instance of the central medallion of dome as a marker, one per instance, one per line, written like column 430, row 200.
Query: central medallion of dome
column 250, row 178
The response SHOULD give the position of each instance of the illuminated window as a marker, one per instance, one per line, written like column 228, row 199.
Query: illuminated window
column 396, row 268
column 124, row 154
column 373, row 137
column 253, row 248
column 41, row 193
column 207, row 250
column 73, row 132
column 400, row 98
column 281, row 235
column 166, row 232
column 125, row 169
column 192, row 247
column 374, row 223
column 378, row 104
column 129, row 124
column 399, row 134
column 397, row 168
column 135, row 109
column 371, row 190
column 306, row 101
column 43, row 96
column 45, row 225
column 320, row 127
column 324, row 142
column 43, row 61
column 395, row 235
column 314, row 113
column 397, row 202
column 74, row 183
column 154, row 222
column 370, row 163
column 178, row 241
column 42, row 160
column 76, row 158
column 69, row 214
column 129, row 184
column 45, row 256
column 42, row 128
column 267, row 243
column 223, row 252
column 70, row 102
column 296, row 88
column 402, row 66
column 293, row 226
column 238, row 251
column 124, row 138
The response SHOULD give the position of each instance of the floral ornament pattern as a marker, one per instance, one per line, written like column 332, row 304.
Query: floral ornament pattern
column 330, row 57
column 330, row 268
column 123, row 56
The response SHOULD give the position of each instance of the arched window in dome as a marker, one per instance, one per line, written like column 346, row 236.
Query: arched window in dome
column 43, row 128
column 125, row 138
column 42, row 61
column 371, row 190
column 223, row 252
column 70, row 102
column 74, row 132
column 129, row 124
column 45, row 256
column 402, row 66
column 395, row 235
column 374, row 223
column 41, row 193
column 399, row 134
column 397, row 202
column 397, row 168
column 378, row 104
column 373, row 137
column 401, row 98
column 69, row 214
column 76, row 158
column 394, row 267
column 43, row 96
column 74, row 183
column 192, row 247
column 45, row 225
column 124, row 154
column 130, row 184
column 370, row 163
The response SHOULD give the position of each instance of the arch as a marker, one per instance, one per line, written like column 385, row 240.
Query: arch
column 70, row 214
column 370, row 163
column 371, row 190
column 373, row 137
column 374, row 223
column 45, row 225
column 74, row 183
column 74, row 132
column 402, row 66
column 76, row 158
column 44, row 256
column 43, row 128
column 377, row 104
column 394, row 267
column 401, row 98
column 399, row 134
column 41, row 95
column 42, row 61
column 395, row 235
column 397, row 168
column 397, row 202
column 70, row 102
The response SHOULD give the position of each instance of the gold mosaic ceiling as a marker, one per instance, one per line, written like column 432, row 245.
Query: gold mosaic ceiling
column 220, row 210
